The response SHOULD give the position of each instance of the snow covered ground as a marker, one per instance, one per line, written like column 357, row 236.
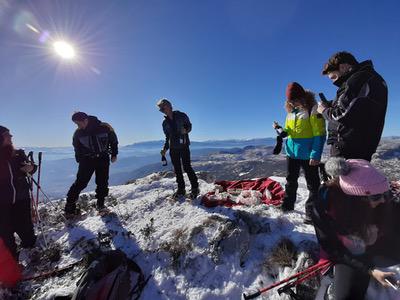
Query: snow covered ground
column 191, row 252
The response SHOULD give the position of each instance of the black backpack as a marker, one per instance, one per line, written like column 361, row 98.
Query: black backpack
column 111, row 276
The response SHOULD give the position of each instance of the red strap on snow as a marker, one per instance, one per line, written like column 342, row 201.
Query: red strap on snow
column 276, row 190
column 10, row 272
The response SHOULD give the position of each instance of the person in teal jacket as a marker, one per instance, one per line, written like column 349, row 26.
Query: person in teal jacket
column 305, row 132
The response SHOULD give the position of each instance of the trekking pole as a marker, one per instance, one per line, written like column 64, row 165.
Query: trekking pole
column 38, row 176
column 318, row 266
column 47, row 198
column 287, row 288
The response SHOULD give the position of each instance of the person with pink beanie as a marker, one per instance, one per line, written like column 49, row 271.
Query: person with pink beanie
column 355, row 221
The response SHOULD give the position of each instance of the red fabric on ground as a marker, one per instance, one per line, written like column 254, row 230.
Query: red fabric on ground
column 260, row 185
column 10, row 272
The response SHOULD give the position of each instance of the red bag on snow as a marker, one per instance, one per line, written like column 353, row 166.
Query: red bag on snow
column 276, row 191
column 10, row 272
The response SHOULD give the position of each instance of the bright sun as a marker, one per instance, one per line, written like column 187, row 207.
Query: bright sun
column 64, row 49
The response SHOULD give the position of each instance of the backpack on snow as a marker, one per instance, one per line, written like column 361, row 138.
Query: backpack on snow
column 111, row 276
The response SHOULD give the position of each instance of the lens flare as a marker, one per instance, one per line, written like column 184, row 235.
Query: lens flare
column 64, row 49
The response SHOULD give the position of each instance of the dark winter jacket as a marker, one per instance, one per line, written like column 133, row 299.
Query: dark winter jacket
column 341, row 244
column 174, row 138
column 14, row 184
column 98, row 139
column 357, row 115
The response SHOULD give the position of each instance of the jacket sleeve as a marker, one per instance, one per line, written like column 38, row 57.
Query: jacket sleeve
column 113, row 140
column 327, row 235
column 167, row 136
column 355, row 99
column 319, row 133
column 77, row 147
column 186, row 123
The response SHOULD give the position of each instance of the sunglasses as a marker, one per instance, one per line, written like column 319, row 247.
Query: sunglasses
column 388, row 195
column 162, row 109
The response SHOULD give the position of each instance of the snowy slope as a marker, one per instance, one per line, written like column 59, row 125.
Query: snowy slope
column 192, row 252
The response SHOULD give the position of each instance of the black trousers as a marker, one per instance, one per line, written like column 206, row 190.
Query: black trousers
column 17, row 218
column 88, row 166
column 349, row 283
column 312, row 179
column 181, row 157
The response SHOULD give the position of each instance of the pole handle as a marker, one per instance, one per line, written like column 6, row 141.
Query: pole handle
column 252, row 296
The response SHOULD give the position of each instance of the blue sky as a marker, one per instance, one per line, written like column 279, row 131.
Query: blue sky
column 225, row 63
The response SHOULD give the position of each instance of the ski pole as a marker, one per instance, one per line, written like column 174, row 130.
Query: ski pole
column 38, row 177
column 47, row 198
column 297, row 275
column 287, row 288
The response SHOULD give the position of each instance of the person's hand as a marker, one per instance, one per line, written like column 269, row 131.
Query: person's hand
column 113, row 159
column 380, row 276
column 321, row 107
column 163, row 152
column 314, row 162
column 27, row 168
column 275, row 125
column 184, row 131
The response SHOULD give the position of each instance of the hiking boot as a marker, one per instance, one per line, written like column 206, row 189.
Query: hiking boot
column 194, row 193
column 72, row 214
column 179, row 194
column 287, row 207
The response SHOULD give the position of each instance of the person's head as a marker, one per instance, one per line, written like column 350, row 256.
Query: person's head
column 5, row 137
column 164, row 106
column 297, row 96
column 81, row 119
column 338, row 65
column 358, row 178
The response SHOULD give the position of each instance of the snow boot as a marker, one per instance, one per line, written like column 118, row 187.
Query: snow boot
column 178, row 194
column 194, row 193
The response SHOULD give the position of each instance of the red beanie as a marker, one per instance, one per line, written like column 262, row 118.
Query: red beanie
column 294, row 91
column 10, row 272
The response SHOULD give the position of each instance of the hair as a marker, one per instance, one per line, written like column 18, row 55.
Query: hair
column 79, row 116
column 352, row 214
column 306, row 103
column 164, row 101
column 338, row 58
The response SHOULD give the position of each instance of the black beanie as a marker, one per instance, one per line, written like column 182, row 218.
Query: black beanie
column 79, row 116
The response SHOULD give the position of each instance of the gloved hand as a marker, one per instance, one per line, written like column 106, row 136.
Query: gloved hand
column 276, row 125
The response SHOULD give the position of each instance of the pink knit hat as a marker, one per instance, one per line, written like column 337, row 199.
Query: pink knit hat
column 357, row 177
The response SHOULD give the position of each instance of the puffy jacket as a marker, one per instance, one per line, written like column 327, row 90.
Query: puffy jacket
column 98, row 139
column 14, row 185
column 305, row 134
column 357, row 115
column 174, row 138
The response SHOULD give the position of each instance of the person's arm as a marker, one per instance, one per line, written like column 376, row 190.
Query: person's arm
column 113, row 140
column 29, row 167
column 319, row 134
column 186, row 123
column 327, row 235
column 166, row 142
column 77, row 147
column 355, row 95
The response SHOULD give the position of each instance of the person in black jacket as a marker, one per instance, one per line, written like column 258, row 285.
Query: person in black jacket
column 355, row 219
column 15, row 197
column 93, row 143
column 357, row 115
column 176, row 127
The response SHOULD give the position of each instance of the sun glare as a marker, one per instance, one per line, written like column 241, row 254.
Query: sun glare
column 64, row 49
